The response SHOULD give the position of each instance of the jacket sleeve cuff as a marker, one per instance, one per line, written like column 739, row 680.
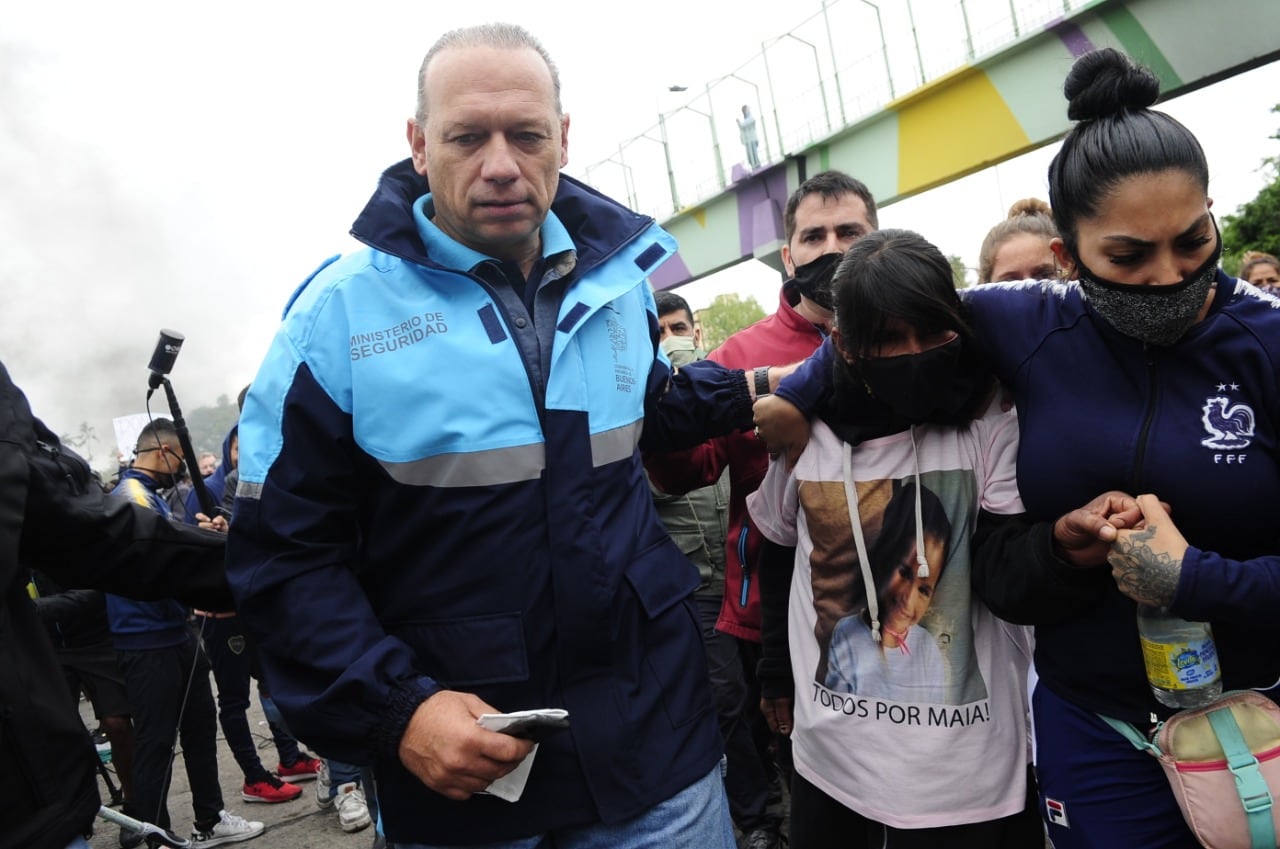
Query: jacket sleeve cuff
column 1062, row 571
column 776, row 680
column 402, row 702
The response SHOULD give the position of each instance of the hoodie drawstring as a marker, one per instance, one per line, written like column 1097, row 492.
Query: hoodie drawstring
column 860, row 542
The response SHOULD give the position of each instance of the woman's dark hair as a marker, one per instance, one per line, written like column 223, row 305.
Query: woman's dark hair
column 1115, row 136
column 893, row 275
column 898, row 532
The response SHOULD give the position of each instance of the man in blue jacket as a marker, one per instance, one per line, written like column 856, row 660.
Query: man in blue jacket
column 442, row 510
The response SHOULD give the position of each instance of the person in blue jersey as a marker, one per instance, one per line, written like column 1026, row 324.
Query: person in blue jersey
column 442, row 510
column 166, row 674
column 1156, row 374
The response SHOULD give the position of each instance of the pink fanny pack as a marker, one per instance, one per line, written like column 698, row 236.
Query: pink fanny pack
column 1223, row 763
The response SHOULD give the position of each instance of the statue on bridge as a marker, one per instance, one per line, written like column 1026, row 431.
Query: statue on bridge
column 750, row 139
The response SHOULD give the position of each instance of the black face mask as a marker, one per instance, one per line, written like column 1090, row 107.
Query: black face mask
column 1157, row 315
column 916, row 387
column 813, row 279
column 168, row 480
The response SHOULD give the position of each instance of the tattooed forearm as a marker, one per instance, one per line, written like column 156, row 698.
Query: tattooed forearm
column 1141, row 573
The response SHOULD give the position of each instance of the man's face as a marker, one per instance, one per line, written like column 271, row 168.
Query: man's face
column 208, row 464
column 492, row 148
column 825, row 226
column 678, row 323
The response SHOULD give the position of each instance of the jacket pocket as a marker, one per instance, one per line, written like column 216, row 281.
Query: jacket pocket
column 661, row 577
column 470, row 651
column 668, row 654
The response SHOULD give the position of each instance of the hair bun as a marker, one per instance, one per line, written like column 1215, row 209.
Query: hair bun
column 1105, row 82
column 1029, row 206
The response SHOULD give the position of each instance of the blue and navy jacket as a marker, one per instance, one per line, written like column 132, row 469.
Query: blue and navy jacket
column 1196, row 423
column 143, row 625
column 441, row 487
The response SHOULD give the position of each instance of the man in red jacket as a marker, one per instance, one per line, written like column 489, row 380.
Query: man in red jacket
column 824, row 216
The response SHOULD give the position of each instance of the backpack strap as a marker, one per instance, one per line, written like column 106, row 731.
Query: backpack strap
column 1252, row 787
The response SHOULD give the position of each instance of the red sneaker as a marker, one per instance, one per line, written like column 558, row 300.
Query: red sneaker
column 305, row 769
column 271, row 790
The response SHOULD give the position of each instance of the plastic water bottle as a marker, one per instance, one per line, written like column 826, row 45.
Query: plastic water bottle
column 1181, row 658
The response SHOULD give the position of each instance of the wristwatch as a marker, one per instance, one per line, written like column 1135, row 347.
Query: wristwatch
column 762, row 381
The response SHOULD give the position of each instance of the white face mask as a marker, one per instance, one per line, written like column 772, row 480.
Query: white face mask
column 679, row 349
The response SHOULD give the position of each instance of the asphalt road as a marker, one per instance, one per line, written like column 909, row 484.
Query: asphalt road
column 299, row 824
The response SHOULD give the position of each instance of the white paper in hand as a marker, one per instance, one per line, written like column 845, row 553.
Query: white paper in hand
column 511, row 786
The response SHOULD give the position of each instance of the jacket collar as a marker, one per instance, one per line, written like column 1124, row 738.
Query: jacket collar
column 141, row 477
column 598, row 224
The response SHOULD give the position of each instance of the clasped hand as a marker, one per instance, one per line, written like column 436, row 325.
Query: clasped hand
column 1134, row 535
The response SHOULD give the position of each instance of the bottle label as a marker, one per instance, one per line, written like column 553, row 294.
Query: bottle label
column 1181, row 666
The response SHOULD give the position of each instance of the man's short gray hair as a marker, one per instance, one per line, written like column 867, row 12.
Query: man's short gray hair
column 499, row 35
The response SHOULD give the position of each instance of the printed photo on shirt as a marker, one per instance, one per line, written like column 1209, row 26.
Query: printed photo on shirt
column 916, row 551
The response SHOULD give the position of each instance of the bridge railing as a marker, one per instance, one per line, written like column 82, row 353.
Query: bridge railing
column 840, row 65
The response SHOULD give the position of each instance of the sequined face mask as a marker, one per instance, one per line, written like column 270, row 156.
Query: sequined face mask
column 1157, row 315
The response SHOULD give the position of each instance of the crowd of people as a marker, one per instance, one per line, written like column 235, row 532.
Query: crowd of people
column 863, row 575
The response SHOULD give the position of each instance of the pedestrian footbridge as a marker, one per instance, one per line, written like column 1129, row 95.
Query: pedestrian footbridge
column 931, row 90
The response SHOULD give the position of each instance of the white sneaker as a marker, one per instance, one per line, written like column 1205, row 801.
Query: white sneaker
column 323, row 799
column 353, row 810
column 229, row 829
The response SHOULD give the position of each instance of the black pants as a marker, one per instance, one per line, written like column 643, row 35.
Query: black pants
column 231, row 654
column 158, row 685
column 750, row 775
column 820, row 822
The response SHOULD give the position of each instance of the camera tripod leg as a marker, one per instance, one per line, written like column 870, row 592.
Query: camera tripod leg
column 153, row 835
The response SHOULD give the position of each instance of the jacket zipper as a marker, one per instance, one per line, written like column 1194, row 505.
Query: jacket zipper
column 55, row 454
column 1153, row 399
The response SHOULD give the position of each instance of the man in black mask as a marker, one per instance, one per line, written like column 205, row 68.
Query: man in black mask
column 162, row 667
column 823, row 218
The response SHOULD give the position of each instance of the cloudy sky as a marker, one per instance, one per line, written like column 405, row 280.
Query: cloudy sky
column 186, row 165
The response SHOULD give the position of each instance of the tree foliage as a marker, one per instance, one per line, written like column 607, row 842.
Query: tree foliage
column 727, row 314
column 208, row 426
column 1255, row 226
column 82, row 441
column 959, row 273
